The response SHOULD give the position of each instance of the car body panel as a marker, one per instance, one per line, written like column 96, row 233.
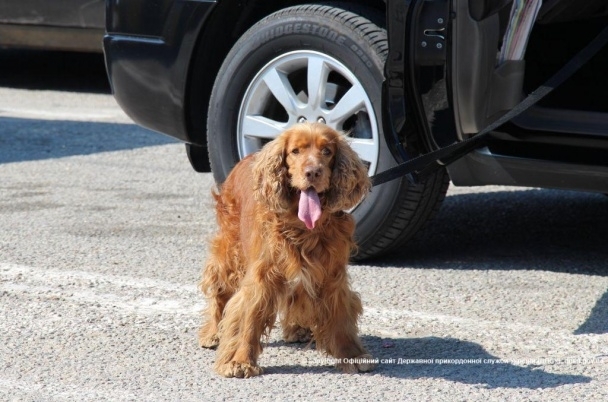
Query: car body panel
column 145, row 65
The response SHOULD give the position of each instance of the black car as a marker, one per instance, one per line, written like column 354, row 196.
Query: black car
column 402, row 77
column 74, row 25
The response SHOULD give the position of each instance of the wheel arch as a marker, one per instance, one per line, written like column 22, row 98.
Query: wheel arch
column 218, row 37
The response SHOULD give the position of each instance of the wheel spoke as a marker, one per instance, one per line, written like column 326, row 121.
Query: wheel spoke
column 273, row 94
column 280, row 87
column 365, row 148
column 261, row 127
column 317, row 81
column 352, row 101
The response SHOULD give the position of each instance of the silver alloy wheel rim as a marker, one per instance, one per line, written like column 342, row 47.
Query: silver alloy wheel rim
column 307, row 86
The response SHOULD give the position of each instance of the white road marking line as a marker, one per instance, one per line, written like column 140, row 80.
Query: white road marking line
column 189, row 301
column 124, row 292
column 389, row 316
column 60, row 276
column 145, row 305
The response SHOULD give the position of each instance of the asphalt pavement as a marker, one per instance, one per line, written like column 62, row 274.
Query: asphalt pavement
column 104, row 230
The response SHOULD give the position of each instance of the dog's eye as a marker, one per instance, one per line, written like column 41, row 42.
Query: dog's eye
column 326, row 151
column 295, row 151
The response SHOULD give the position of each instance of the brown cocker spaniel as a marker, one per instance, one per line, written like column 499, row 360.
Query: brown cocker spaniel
column 283, row 245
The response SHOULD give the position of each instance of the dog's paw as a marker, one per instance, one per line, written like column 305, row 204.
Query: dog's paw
column 208, row 338
column 296, row 333
column 210, row 342
column 352, row 365
column 239, row 370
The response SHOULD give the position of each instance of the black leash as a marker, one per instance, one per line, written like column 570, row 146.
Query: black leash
column 433, row 160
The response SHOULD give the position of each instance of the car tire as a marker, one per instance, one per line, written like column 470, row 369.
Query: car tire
column 268, row 68
column 198, row 157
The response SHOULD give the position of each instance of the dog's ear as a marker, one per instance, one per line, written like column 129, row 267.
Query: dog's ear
column 270, row 176
column 349, row 178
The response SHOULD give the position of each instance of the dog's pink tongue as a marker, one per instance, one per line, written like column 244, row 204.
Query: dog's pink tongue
column 309, row 209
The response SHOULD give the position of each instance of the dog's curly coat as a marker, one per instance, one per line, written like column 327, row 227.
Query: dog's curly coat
column 282, row 247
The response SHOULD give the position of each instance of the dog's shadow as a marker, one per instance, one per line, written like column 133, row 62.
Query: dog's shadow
column 451, row 359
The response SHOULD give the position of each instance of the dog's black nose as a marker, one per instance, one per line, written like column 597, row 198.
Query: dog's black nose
column 312, row 172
